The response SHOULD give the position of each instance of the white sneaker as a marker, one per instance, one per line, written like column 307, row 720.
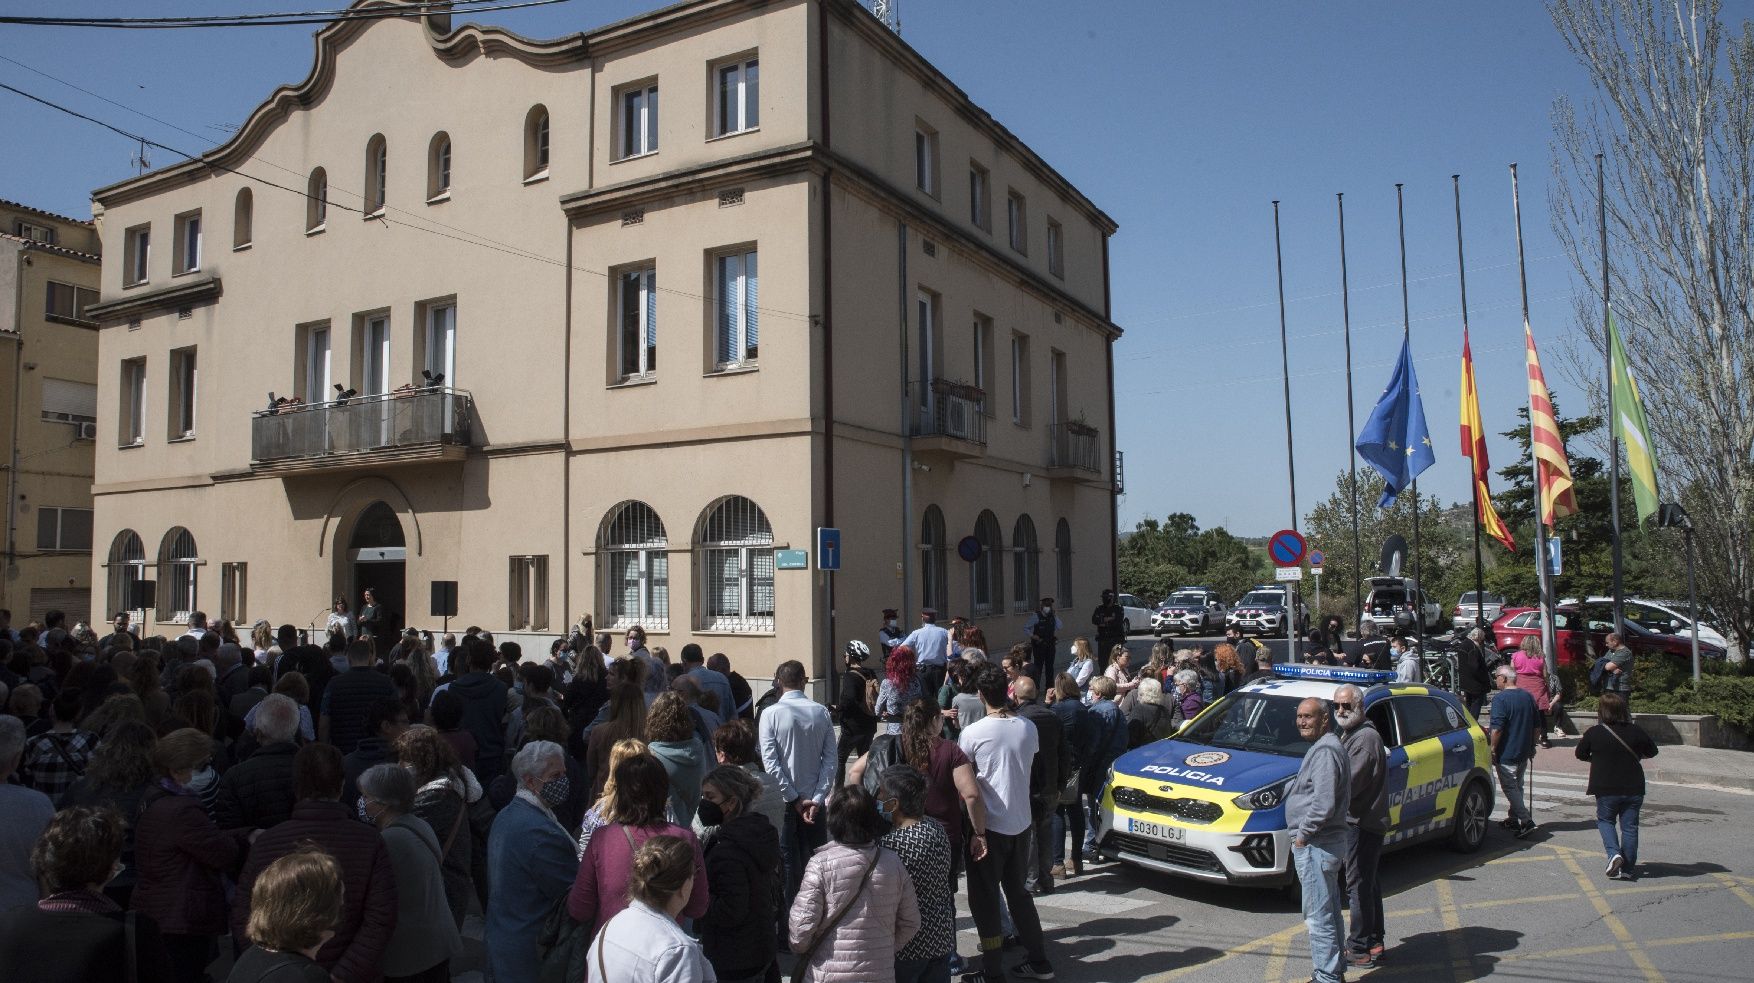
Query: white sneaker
column 1614, row 866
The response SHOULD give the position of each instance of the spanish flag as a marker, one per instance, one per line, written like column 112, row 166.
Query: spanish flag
column 1554, row 497
column 1474, row 449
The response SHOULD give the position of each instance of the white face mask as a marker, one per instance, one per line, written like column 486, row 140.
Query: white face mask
column 890, row 623
column 1046, row 611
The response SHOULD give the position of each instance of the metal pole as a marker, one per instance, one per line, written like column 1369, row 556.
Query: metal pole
column 1462, row 275
column 1406, row 335
column 907, row 430
column 1351, row 424
column 1692, row 606
column 1285, row 365
column 1534, row 462
column 1613, row 442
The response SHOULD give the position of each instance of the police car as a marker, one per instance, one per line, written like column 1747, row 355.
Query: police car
column 1208, row 803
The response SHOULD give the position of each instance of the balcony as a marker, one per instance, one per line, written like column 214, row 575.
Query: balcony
column 409, row 425
column 1074, row 450
column 951, row 422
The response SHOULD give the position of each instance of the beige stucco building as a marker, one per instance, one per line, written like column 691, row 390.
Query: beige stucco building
column 877, row 310
column 48, row 411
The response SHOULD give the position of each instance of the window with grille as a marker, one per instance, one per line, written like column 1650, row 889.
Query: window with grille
column 233, row 591
column 636, row 568
column 528, row 594
column 735, row 557
column 179, row 565
column 1063, row 565
column 934, row 553
column 638, row 330
column 127, row 567
column 1025, row 566
column 736, row 315
column 63, row 530
column 989, row 570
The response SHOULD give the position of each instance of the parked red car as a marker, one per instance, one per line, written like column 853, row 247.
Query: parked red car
column 1580, row 633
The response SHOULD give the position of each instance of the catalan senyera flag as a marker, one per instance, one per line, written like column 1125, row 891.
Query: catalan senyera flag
column 1631, row 428
column 1554, row 497
column 1474, row 449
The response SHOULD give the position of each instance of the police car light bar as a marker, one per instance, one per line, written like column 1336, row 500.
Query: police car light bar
column 1334, row 674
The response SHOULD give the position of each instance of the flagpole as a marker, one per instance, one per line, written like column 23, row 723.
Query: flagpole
column 1613, row 440
column 1285, row 364
column 1462, row 271
column 1351, row 424
column 1534, row 461
column 1406, row 337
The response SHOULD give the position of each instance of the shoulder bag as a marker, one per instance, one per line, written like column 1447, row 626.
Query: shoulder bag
column 563, row 943
column 1622, row 740
column 885, row 753
column 803, row 964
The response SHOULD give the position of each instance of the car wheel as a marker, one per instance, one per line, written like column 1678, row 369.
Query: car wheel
column 1473, row 810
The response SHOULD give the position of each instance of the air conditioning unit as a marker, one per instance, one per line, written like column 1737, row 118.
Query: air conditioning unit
column 87, row 431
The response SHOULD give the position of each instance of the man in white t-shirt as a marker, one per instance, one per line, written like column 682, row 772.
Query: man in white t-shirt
column 1003, row 748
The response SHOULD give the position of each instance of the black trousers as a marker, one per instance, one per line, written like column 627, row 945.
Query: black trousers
column 853, row 744
column 1002, row 872
column 1363, row 890
column 1039, row 876
column 931, row 680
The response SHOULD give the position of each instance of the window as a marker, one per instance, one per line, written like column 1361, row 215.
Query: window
column 636, row 567
column 983, row 360
column 527, row 594
column 736, row 315
column 1025, row 566
column 127, row 567
column 63, row 530
column 639, row 120
column 1063, row 564
column 934, row 560
column 441, row 345
column 67, row 401
column 739, row 97
column 1017, row 219
column 1056, row 249
column 136, row 255
column 980, row 209
column 377, row 174
column 925, row 340
column 66, row 300
column 373, row 341
column 1421, row 717
column 234, row 588
column 182, row 394
column 1382, row 717
column 188, row 231
column 243, row 218
column 1057, row 395
column 34, row 232
column 536, row 143
column 314, row 368
column 438, row 167
column 735, row 550
column 638, row 329
column 316, row 200
column 988, row 581
column 1020, row 380
column 178, row 565
column 132, row 419
column 926, row 159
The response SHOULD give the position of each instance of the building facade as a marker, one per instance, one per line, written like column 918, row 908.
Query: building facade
column 48, row 418
column 432, row 350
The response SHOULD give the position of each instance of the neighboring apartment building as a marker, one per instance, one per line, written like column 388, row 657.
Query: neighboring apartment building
column 48, row 411
column 876, row 310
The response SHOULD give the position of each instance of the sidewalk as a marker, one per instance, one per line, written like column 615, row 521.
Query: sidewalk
column 1675, row 764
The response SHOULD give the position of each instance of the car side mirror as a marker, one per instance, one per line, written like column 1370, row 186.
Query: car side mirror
column 1674, row 626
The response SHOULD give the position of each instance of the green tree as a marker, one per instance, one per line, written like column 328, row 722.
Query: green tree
column 1160, row 556
column 1328, row 527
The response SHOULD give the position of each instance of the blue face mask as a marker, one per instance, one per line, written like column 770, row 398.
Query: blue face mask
column 883, row 810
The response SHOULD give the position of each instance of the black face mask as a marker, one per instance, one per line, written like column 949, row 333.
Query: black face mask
column 710, row 813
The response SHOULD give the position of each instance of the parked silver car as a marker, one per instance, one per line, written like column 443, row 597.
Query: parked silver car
column 1462, row 618
column 1189, row 611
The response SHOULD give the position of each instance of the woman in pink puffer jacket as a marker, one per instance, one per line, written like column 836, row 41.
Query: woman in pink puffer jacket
column 882, row 913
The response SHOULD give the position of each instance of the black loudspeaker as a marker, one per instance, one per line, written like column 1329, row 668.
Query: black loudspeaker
column 444, row 599
column 142, row 594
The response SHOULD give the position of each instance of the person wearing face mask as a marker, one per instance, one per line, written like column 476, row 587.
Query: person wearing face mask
column 1110, row 622
column 530, row 860
column 890, row 635
column 1408, row 668
column 924, row 848
column 1043, row 634
column 742, row 850
column 1367, row 813
column 76, row 933
column 657, row 678
column 425, row 939
column 368, row 912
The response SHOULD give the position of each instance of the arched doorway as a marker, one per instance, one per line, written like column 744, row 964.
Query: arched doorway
column 377, row 559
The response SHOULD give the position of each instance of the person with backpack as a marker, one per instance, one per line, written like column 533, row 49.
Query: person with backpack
column 1615, row 748
column 856, row 708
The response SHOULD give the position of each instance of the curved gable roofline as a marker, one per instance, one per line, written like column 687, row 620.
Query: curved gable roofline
column 451, row 45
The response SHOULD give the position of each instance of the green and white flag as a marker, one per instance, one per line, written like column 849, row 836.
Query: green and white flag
column 1630, row 428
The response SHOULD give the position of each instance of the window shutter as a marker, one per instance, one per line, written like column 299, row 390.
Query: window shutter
column 64, row 396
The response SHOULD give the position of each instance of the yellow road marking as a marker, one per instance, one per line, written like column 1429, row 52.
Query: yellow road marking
column 1452, row 923
column 1640, row 958
column 1736, row 889
column 1276, row 963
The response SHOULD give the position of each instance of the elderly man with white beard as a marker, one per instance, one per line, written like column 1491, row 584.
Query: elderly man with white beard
column 1367, row 816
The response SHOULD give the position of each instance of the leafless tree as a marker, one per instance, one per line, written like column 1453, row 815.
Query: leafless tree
column 1673, row 113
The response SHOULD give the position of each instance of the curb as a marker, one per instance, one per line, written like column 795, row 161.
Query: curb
column 1673, row 777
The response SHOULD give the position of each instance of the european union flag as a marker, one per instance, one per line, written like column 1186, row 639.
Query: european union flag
column 1395, row 440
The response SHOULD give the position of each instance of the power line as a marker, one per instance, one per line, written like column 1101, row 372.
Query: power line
column 282, row 19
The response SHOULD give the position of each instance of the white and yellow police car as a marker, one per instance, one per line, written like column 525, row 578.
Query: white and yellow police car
column 1208, row 803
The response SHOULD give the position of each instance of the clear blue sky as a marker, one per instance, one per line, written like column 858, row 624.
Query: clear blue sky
column 1183, row 121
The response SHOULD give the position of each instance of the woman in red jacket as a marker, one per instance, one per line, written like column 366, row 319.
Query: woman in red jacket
column 181, row 857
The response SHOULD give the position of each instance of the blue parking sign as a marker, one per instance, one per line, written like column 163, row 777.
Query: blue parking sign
column 827, row 548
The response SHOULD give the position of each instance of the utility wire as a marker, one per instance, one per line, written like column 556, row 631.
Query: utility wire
column 283, row 19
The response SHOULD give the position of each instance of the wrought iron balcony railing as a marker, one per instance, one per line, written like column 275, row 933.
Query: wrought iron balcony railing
column 951, row 409
column 1075, row 446
column 408, row 419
